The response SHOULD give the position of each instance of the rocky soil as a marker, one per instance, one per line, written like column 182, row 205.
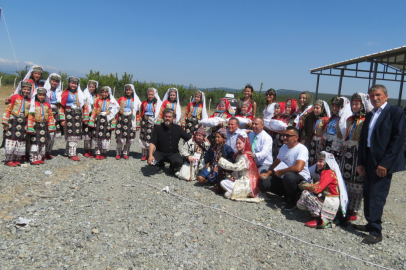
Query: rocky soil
column 104, row 215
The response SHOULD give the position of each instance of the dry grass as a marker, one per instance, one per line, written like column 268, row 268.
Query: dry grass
column 5, row 91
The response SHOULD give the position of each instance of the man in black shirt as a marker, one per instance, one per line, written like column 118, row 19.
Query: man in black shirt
column 165, row 142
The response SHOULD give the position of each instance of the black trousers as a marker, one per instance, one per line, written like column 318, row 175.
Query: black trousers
column 376, row 190
column 175, row 159
column 286, row 186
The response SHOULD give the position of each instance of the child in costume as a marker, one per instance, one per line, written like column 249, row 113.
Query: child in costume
column 171, row 101
column 40, row 123
column 103, row 121
column 91, row 98
column 14, row 124
column 195, row 111
column 127, row 121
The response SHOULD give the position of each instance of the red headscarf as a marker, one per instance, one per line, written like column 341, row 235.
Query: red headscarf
column 253, row 174
column 294, row 107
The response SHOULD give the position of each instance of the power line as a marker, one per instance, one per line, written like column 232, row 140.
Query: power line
column 5, row 23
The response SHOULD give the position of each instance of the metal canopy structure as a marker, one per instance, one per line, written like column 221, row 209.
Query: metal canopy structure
column 387, row 66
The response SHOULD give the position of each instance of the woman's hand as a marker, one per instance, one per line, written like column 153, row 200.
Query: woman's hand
column 191, row 159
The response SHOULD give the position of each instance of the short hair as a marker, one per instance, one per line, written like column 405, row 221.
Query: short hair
column 378, row 87
column 236, row 119
column 259, row 118
column 250, row 87
column 295, row 130
column 169, row 110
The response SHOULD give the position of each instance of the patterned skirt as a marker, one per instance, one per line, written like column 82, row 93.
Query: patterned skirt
column 191, row 125
column 314, row 148
column 278, row 143
column 124, row 128
column 41, row 133
column 57, row 135
column 102, row 129
column 17, row 128
column 348, row 165
column 147, row 129
column 328, row 147
column 73, row 129
column 87, row 132
column 326, row 209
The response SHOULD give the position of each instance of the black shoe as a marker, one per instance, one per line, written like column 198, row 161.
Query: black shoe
column 285, row 200
column 372, row 239
column 290, row 207
column 361, row 228
column 171, row 171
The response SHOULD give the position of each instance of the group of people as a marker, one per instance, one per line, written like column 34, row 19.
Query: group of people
column 320, row 160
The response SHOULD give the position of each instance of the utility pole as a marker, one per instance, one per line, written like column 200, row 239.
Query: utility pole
column 260, row 89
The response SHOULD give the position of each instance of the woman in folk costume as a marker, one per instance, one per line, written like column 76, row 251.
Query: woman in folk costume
column 91, row 98
column 103, row 121
column 41, row 122
column 193, row 151
column 33, row 76
column 171, row 101
column 73, row 112
column 269, row 110
column 213, row 173
column 127, row 121
column 360, row 106
column 246, row 107
column 322, row 114
column 324, row 198
column 224, row 111
column 148, row 114
column 305, row 118
column 53, row 97
column 288, row 117
column 195, row 111
column 331, row 141
column 248, row 91
column 277, row 136
column 14, row 124
column 243, row 184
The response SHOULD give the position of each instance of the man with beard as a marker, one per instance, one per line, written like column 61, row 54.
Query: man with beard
column 165, row 142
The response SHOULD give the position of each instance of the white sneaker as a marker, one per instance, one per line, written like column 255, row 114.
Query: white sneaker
column 177, row 174
column 227, row 194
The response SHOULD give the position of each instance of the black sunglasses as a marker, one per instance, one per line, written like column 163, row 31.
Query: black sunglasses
column 288, row 136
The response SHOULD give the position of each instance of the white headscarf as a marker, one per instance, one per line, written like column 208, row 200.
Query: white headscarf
column 89, row 100
column 204, row 110
column 158, row 102
column 367, row 102
column 81, row 96
column 113, row 106
column 32, row 104
column 344, row 113
column 137, row 101
column 327, row 108
column 26, row 77
column 332, row 163
column 58, row 90
column 178, row 109
column 297, row 119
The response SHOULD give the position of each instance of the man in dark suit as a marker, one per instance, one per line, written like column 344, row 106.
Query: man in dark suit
column 379, row 157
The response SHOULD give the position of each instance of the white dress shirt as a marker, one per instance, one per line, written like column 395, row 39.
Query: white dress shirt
column 232, row 138
column 263, row 148
column 374, row 118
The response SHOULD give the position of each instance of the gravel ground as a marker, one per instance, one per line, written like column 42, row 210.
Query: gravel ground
column 99, row 215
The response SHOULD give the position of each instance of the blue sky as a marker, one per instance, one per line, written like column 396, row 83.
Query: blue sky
column 204, row 43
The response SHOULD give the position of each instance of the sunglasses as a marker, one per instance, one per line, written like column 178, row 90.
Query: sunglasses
column 288, row 136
